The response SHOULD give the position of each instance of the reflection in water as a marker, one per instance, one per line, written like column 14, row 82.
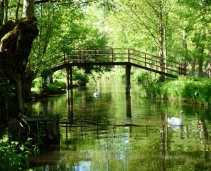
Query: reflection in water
column 117, row 133
column 175, row 127
column 70, row 105
column 178, row 127
column 128, row 106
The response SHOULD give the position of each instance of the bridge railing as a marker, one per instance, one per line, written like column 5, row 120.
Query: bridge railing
column 87, row 56
column 135, row 57
column 153, row 62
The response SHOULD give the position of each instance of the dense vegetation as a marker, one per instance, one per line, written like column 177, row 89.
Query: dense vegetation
column 196, row 91
column 171, row 29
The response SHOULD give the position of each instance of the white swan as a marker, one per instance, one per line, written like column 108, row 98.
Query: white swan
column 96, row 94
column 176, row 121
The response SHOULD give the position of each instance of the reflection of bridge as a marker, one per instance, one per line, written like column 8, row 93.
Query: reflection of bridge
column 119, row 56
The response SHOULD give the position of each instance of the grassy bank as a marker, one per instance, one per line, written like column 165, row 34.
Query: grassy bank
column 185, row 89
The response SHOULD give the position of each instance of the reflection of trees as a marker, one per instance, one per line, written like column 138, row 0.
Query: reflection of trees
column 163, row 146
column 188, row 146
column 102, row 130
column 204, row 139
column 125, row 146
column 47, row 106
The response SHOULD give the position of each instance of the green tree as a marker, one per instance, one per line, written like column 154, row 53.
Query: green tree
column 147, row 25
column 194, row 23
column 63, row 29
column 174, row 29
column 15, row 45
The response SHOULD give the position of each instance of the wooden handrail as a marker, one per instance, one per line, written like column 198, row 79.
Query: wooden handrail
column 115, row 55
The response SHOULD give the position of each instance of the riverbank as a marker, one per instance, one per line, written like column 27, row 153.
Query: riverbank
column 190, row 90
column 184, row 89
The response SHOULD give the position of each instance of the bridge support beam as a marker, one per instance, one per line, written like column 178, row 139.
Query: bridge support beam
column 128, row 86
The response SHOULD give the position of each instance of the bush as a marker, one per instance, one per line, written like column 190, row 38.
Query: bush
column 13, row 156
column 37, row 83
column 43, row 88
column 60, row 84
column 188, row 89
column 52, row 89
column 149, row 84
column 81, row 78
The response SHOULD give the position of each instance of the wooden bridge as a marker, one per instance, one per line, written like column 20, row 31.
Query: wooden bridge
column 118, row 56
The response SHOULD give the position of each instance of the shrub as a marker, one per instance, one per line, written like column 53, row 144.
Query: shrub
column 13, row 156
column 52, row 89
column 81, row 78
column 188, row 89
column 37, row 83
column 60, row 84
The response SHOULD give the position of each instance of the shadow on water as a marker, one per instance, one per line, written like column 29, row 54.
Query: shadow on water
column 119, row 132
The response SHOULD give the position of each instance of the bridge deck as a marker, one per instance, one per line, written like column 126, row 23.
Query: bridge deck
column 121, row 56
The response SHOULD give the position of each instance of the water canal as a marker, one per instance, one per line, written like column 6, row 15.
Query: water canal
column 109, row 133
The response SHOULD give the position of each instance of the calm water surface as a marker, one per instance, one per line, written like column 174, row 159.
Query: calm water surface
column 111, row 133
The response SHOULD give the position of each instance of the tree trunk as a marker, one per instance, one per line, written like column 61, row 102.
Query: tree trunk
column 29, row 77
column 16, row 42
column 200, row 65
column 200, row 62
column 17, row 9
column 193, row 67
column 6, row 6
column 27, row 90
column 19, row 88
column 208, row 64
column 28, row 8
column 1, row 11
column 185, row 47
column 200, row 50
column 161, row 39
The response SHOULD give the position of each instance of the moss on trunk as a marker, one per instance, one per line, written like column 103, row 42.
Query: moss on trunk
column 16, row 42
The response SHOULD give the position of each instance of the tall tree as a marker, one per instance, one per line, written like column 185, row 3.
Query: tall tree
column 150, row 22
column 62, row 31
column 15, row 45
column 196, row 19
column 37, row 61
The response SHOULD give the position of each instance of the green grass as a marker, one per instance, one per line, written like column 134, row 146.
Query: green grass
column 190, row 90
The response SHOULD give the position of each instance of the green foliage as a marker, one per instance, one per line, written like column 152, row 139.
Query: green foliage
column 182, row 89
column 52, row 89
column 37, row 82
column 36, row 86
column 80, row 77
column 150, row 84
column 45, row 73
column 14, row 156
column 63, row 28
column 60, row 83
column 55, row 88
column 60, row 74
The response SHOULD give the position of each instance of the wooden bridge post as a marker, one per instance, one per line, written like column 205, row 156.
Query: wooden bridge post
column 128, row 68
